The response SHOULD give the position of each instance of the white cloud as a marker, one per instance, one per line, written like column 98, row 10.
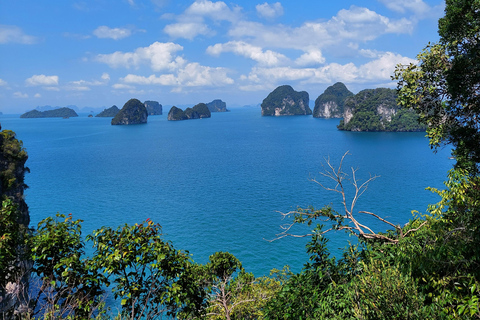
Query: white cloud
column 3, row 83
column 383, row 67
column 269, row 11
column 419, row 7
column 120, row 86
column 21, row 95
column 104, row 32
column 268, row 57
column 37, row 95
column 105, row 77
column 214, row 10
column 160, row 56
column 192, row 75
column 13, row 34
column 187, row 30
column 311, row 57
column 42, row 80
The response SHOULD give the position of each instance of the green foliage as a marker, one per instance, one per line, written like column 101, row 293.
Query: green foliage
column 109, row 113
column 176, row 114
column 336, row 94
column 202, row 110
column 133, row 112
column 287, row 101
column 148, row 275
column 153, row 107
column 55, row 113
column 443, row 87
column 68, row 285
column 12, row 157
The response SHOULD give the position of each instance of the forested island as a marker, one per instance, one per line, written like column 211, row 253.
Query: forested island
column 217, row 105
column 133, row 112
column 199, row 111
column 153, row 108
column 108, row 113
column 55, row 113
column 330, row 103
column 284, row 101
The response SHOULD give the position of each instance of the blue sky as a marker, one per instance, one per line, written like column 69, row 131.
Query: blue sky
column 98, row 53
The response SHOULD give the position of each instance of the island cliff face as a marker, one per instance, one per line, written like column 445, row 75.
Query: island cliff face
column 55, row 113
column 284, row 101
column 133, row 112
column 153, row 108
column 330, row 103
column 199, row 111
column 377, row 110
column 109, row 113
column 217, row 106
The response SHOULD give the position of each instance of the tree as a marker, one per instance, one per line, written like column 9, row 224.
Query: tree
column 149, row 276
column 444, row 87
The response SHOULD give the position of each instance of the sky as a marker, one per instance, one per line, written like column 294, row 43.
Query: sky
column 99, row 53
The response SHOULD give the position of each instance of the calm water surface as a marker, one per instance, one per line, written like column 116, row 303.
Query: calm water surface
column 218, row 184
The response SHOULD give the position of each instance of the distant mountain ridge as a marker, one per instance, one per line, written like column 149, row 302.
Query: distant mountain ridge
column 55, row 113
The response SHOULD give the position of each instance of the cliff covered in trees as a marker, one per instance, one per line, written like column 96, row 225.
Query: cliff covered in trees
column 133, row 112
column 330, row 103
column 284, row 101
column 199, row 111
column 109, row 113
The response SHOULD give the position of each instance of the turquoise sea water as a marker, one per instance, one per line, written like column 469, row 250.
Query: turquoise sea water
column 218, row 184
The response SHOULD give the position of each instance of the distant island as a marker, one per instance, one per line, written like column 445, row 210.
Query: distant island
column 153, row 108
column 55, row 113
column 284, row 101
column 330, row 103
column 133, row 112
column 217, row 106
column 377, row 110
column 199, row 111
column 109, row 113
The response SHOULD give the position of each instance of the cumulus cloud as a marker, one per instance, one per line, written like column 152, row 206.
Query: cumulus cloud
column 104, row 32
column 160, row 56
column 418, row 7
column 13, row 34
column 37, row 95
column 268, row 57
column 192, row 75
column 311, row 57
column 3, row 83
column 214, row 10
column 42, row 80
column 187, row 30
column 269, row 11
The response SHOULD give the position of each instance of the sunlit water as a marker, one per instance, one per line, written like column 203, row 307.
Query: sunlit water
column 219, row 184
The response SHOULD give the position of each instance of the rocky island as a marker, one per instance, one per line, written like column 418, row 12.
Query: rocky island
column 55, row 113
column 217, row 106
column 330, row 103
column 377, row 110
column 284, row 101
column 153, row 108
column 199, row 111
column 109, row 113
column 133, row 112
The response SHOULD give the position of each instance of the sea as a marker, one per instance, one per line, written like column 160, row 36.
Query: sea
column 222, row 184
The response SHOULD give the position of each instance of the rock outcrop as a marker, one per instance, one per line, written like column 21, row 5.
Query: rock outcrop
column 284, row 101
column 217, row 106
column 199, row 111
column 153, row 108
column 109, row 113
column 55, row 113
column 133, row 112
column 377, row 110
column 330, row 103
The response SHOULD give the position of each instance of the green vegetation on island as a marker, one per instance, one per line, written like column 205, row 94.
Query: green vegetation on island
column 330, row 103
column 109, row 113
column 199, row 111
column 133, row 112
column 284, row 101
column 428, row 268
column 377, row 110
column 153, row 108
column 217, row 106
column 55, row 113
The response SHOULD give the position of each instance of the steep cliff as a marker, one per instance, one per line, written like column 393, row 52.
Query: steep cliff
column 377, row 110
column 133, row 112
column 284, row 101
column 153, row 108
column 330, row 103
column 217, row 106
column 199, row 111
